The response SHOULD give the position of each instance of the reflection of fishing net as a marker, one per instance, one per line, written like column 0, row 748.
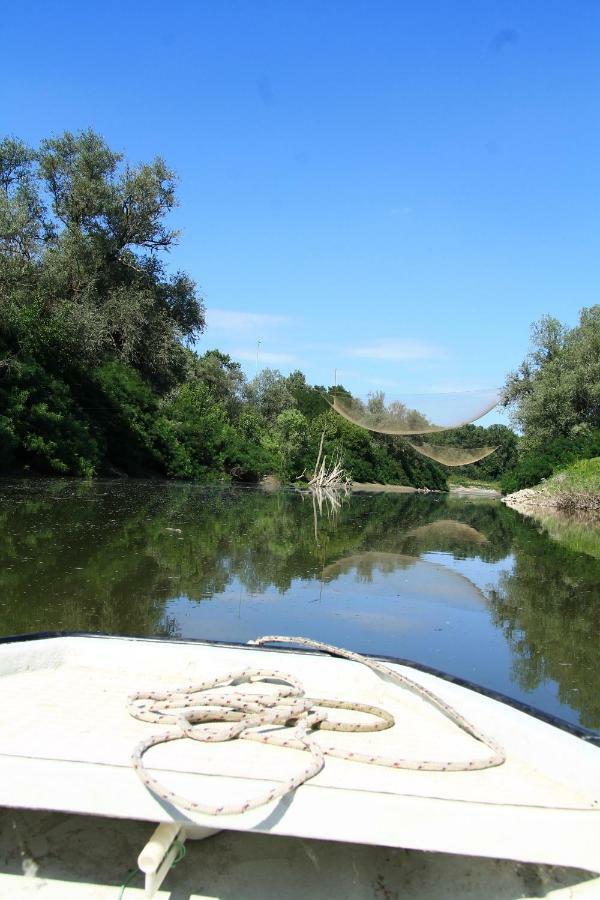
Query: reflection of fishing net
column 424, row 414
column 452, row 456
column 446, row 531
column 418, row 579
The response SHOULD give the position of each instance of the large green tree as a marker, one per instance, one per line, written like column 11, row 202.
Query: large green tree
column 80, row 273
column 555, row 392
column 98, row 374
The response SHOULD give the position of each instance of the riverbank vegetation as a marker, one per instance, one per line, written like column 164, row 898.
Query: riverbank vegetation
column 575, row 488
column 99, row 375
column 97, row 371
column 554, row 398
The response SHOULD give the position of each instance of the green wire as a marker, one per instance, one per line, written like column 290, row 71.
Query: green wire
column 181, row 851
column 130, row 876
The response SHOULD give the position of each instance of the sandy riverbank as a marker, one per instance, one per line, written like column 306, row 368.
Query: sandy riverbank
column 461, row 490
column 473, row 491
column 384, row 488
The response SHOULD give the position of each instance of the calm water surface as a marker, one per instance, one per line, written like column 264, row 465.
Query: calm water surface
column 465, row 585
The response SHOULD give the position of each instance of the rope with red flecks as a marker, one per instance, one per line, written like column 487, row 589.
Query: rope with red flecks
column 201, row 712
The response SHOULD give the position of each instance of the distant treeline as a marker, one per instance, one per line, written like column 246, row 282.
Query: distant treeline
column 97, row 374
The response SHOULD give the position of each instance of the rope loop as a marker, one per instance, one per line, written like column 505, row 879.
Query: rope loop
column 202, row 713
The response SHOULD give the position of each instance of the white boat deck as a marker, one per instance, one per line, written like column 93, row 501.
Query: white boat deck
column 66, row 740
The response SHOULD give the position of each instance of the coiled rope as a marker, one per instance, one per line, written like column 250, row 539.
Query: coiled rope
column 201, row 713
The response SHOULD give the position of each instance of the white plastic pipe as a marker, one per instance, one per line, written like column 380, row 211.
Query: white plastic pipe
column 154, row 852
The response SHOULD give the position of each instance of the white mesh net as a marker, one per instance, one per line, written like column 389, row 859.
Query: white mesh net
column 422, row 414
column 451, row 456
column 415, row 414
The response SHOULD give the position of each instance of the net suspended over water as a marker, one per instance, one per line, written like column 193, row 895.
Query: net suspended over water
column 416, row 414
column 422, row 414
column 452, row 456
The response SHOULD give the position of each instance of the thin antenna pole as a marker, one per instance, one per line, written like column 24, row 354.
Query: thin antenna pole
column 258, row 343
column 335, row 377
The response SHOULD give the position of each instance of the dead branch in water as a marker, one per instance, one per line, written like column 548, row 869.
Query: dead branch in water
column 327, row 486
column 333, row 479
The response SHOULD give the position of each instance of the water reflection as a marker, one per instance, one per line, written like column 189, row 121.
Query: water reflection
column 468, row 586
column 419, row 579
column 447, row 534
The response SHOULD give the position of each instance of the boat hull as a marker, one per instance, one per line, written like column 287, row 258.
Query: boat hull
column 66, row 740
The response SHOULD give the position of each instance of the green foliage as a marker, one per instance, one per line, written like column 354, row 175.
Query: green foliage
column 502, row 460
column 554, row 398
column 222, row 376
column 95, row 374
column 290, row 438
column 42, row 428
column 269, row 394
column 556, row 390
column 310, row 400
column 79, row 234
column 537, row 463
column 201, row 428
column 250, row 455
column 582, row 477
column 373, row 458
column 125, row 410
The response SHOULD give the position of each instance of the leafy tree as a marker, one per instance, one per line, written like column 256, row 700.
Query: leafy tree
column 290, row 437
column 201, row 428
column 222, row 376
column 97, row 375
column 268, row 392
column 42, row 427
column 373, row 458
column 555, row 392
column 251, row 454
column 79, row 234
column 21, row 209
column 311, row 401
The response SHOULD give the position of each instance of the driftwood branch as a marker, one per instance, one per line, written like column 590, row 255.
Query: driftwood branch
column 333, row 478
column 327, row 485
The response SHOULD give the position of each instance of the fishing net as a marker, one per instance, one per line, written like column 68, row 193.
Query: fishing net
column 416, row 414
column 451, row 456
column 446, row 531
column 422, row 414
column 419, row 579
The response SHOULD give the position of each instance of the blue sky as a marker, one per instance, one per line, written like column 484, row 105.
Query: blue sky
column 393, row 190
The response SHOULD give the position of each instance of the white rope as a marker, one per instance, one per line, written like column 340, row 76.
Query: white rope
column 195, row 708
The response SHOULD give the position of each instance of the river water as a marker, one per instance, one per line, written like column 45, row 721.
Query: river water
column 461, row 584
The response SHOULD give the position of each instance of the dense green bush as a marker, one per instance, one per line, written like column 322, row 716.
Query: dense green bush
column 42, row 427
column 372, row 458
column 538, row 463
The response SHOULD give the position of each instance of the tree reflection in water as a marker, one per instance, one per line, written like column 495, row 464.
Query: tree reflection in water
column 127, row 557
